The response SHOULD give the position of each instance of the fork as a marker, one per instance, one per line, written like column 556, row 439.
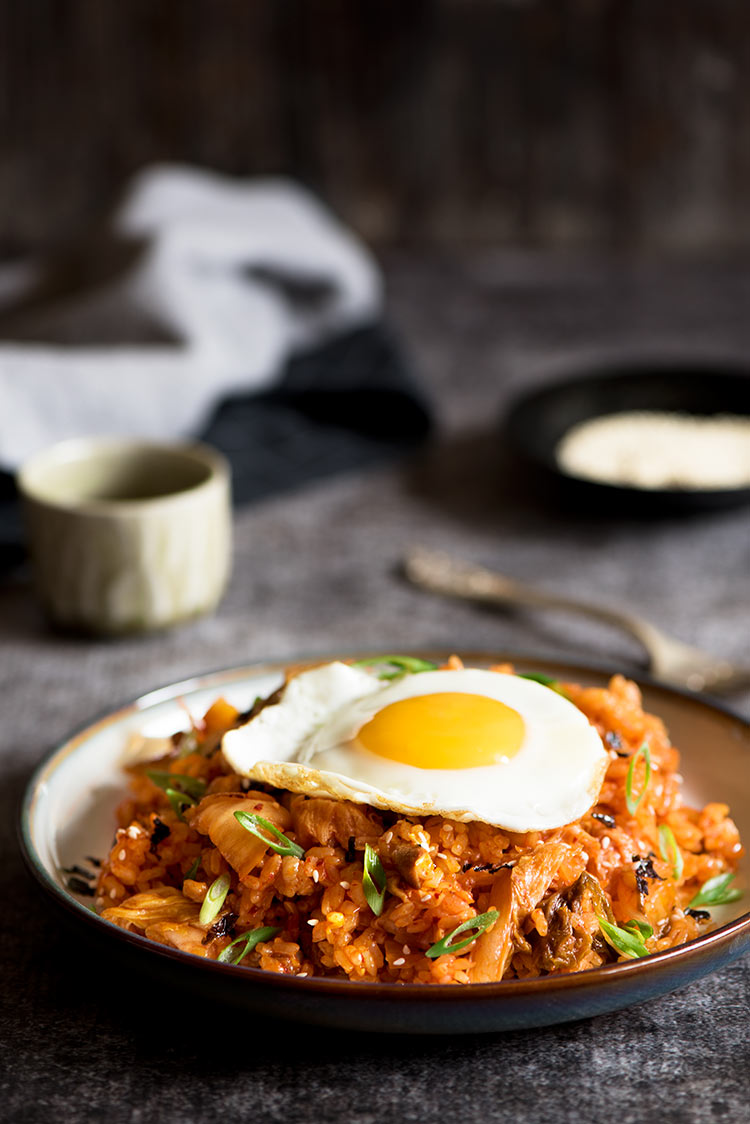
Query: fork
column 671, row 661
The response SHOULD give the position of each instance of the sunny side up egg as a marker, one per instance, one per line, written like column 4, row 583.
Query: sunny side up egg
column 468, row 744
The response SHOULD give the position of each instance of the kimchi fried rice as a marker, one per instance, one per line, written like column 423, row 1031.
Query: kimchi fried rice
column 368, row 895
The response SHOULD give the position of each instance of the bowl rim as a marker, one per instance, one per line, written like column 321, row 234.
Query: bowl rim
column 81, row 449
column 725, row 937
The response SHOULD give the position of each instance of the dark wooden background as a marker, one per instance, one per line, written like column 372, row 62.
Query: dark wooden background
column 423, row 122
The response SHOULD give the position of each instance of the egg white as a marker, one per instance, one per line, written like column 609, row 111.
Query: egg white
column 308, row 743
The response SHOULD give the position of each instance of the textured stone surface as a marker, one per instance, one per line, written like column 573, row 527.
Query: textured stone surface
column 318, row 571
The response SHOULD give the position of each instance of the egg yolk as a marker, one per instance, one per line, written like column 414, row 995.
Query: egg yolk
column 447, row 730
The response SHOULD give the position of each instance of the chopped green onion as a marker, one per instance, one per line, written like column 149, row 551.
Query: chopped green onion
column 545, row 680
column 716, row 891
column 253, row 824
column 251, row 939
column 193, row 869
column 628, row 941
column 179, row 801
column 670, row 852
column 214, row 899
column 193, row 786
column 631, row 801
column 188, row 744
column 642, row 928
column 374, row 881
column 404, row 665
column 479, row 923
column 538, row 677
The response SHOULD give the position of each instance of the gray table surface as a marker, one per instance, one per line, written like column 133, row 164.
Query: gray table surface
column 317, row 571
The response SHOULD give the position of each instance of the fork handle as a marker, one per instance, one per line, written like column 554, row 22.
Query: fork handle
column 442, row 574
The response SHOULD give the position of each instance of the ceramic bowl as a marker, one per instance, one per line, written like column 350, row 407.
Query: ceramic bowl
column 127, row 535
column 69, row 813
column 538, row 421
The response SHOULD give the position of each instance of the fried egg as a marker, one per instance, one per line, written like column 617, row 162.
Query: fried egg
column 468, row 744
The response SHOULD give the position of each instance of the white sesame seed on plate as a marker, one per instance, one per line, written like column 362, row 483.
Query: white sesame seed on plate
column 122, row 855
column 301, row 975
column 407, row 950
column 312, row 921
column 316, row 876
column 113, row 893
column 399, row 962
column 134, row 831
column 605, row 842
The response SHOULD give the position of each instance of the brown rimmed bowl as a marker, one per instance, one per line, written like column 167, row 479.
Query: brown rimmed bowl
column 68, row 814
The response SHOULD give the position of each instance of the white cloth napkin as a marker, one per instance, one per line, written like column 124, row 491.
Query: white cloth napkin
column 224, row 280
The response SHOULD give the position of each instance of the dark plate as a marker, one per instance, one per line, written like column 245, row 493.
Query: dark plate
column 68, row 813
column 538, row 421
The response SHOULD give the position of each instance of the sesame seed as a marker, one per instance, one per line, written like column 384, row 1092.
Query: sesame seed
column 316, row 876
column 301, row 975
column 113, row 893
column 399, row 962
column 407, row 950
column 134, row 831
column 345, row 885
column 122, row 855
column 585, row 856
column 312, row 921
column 605, row 842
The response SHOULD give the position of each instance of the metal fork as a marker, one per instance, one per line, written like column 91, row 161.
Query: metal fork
column 671, row 661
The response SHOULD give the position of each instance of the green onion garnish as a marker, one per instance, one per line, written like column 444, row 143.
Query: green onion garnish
column 479, row 923
column 193, row 869
column 670, row 852
column 716, row 891
column 192, row 786
column 631, row 801
column 374, row 881
column 214, row 899
column 404, row 665
column 250, row 940
column 629, row 941
column 253, row 824
column 545, row 680
column 179, row 801
column 538, row 677
column 642, row 928
column 189, row 744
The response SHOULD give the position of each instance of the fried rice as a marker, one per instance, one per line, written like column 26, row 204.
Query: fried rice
column 557, row 897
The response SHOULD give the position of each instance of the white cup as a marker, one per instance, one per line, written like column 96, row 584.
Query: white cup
column 127, row 535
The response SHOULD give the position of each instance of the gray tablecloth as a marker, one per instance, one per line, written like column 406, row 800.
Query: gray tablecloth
column 317, row 571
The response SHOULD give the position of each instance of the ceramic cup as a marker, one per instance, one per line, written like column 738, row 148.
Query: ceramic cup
column 127, row 535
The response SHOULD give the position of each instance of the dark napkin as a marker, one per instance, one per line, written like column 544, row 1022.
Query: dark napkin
column 344, row 406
